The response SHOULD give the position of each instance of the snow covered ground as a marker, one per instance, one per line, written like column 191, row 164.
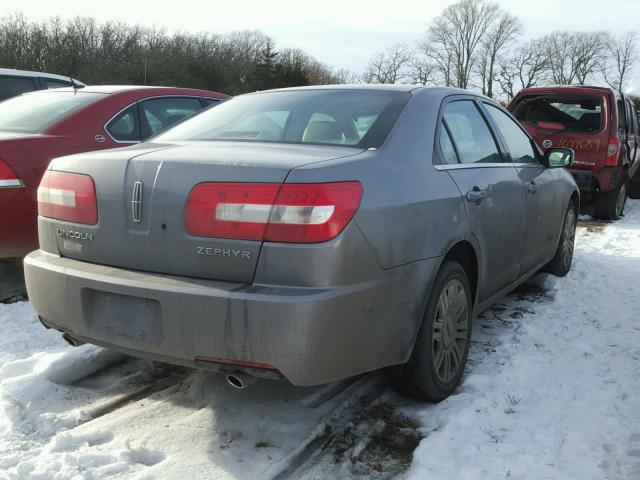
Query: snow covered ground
column 551, row 392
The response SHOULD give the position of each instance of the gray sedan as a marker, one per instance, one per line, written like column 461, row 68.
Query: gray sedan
column 306, row 234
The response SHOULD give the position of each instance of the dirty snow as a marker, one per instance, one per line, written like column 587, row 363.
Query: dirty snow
column 551, row 392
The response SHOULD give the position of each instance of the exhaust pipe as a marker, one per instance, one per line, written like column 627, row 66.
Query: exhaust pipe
column 240, row 380
column 72, row 341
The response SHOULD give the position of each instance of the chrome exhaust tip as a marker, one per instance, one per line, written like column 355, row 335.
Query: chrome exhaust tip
column 72, row 341
column 240, row 380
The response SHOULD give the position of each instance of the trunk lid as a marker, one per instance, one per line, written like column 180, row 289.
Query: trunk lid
column 166, row 174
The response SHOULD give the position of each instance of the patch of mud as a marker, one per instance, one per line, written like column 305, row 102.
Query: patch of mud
column 593, row 226
column 379, row 443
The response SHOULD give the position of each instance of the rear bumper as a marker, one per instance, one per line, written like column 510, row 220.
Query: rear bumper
column 584, row 180
column 309, row 335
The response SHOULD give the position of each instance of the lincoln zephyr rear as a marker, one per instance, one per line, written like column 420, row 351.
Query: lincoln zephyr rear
column 304, row 234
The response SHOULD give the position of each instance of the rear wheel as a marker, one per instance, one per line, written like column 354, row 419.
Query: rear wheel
column 610, row 205
column 440, row 352
column 560, row 264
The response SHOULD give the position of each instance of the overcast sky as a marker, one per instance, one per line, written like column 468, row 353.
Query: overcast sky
column 342, row 33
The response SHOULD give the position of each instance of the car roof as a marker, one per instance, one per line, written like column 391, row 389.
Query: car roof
column 118, row 89
column 566, row 89
column 26, row 73
column 379, row 87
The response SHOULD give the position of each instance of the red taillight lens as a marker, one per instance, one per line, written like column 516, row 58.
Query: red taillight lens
column 68, row 196
column 612, row 152
column 7, row 177
column 310, row 213
column 297, row 213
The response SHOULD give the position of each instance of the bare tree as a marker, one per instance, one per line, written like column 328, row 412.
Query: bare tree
column 389, row 66
column 502, row 32
column 525, row 66
column 455, row 37
column 573, row 56
column 622, row 55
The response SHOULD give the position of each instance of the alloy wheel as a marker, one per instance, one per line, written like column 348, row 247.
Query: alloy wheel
column 450, row 328
column 569, row 235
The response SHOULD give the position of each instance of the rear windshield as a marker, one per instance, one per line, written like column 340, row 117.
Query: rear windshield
column 578, row 113
column 34, row 112
column 358, row 118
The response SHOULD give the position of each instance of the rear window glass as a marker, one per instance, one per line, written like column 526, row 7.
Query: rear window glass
column 576, row 112
column 359, row 118
column 33, row 113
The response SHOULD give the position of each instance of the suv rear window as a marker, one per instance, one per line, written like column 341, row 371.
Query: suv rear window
column 578, row 113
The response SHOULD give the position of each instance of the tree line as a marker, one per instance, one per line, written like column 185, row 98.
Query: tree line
column 476, row 44
column 117, row 53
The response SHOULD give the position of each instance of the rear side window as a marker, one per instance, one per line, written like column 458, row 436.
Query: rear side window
column 470, row 133
column 578, row 113
column 13, row 86
column 518, row 142
column 125, row 127
column 158, row 114
column 446, row 145
column 50, row 83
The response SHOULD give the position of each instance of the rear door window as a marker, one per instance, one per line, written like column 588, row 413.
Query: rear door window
column 517, row 141
column 51, row 83
column 578, row 113
column 13, row 86
column 125, row 127
column 470, row 133
column 158, row 114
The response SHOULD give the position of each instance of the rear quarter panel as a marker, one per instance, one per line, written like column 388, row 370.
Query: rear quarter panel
column 409, row 210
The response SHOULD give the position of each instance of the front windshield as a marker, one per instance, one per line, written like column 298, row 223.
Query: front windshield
column 34, row 112
column 359, row 118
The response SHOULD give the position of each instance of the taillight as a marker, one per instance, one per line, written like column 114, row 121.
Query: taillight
column 294, row 213
column 7, row 177
column 68, row 196
column 612, row 152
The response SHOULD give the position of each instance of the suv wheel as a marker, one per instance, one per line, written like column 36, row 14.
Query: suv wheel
column 440, row 353
column 560, row 264
column 610, row 205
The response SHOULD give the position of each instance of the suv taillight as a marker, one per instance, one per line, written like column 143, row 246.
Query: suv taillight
column 612, row 152
column 292, row 213
column 7, row 177
column 68, row 196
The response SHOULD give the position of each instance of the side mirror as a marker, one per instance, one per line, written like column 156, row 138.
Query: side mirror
column 559, row 157
column 551, row 126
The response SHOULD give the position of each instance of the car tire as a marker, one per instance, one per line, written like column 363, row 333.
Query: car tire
column 610, row 205
column 440, row 352
column 560, row 264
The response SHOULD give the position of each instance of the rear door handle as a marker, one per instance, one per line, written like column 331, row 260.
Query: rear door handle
column 532, row 187
column 476, row 195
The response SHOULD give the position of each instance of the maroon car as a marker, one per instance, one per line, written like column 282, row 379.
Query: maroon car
column 38, row 126
column 601, row 126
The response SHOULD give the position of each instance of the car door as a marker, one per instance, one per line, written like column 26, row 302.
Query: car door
column 492, row 191
column 544, row 214
column 158, row 114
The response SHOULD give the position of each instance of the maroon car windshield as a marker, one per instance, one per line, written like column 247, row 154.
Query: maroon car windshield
column 34, row 112
column 352, row 118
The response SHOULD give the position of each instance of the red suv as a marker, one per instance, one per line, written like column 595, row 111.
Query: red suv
column 601, row 126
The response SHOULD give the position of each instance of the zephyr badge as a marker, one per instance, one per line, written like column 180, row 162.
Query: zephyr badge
column 136, row 202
